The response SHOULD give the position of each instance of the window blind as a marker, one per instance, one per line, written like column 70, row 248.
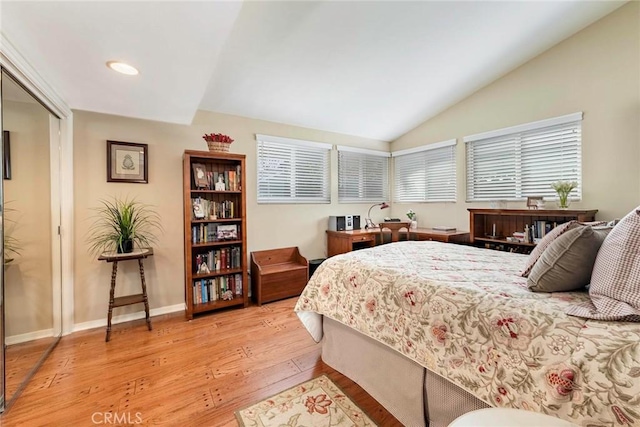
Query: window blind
column 293, row 171
column 363, row 175
column 523, row 161
column 426, row 174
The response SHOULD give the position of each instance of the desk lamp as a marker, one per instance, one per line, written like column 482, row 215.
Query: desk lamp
column 369, row 223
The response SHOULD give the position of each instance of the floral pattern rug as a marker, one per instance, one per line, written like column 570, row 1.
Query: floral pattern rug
column 318, row 403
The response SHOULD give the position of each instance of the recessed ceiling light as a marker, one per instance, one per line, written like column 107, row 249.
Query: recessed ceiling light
column 123, row 68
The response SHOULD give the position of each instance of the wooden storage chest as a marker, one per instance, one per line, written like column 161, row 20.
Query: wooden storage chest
column 277, row 274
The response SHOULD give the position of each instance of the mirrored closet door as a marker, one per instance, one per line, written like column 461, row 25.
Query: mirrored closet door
column 31, row 320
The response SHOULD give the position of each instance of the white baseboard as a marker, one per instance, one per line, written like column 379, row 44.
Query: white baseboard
column 100, row 323
column 30, row 336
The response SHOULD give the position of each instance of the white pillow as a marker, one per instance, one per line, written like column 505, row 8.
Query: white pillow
column 615, row 279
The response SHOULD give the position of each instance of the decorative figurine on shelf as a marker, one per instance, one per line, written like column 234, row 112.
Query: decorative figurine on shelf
column 198, row 210
column 203, row 268
column 227, row 295
column 220, row 186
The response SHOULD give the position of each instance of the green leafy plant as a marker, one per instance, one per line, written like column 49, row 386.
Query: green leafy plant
column 121, row 224
column 411, row 214
column 563, row 188
column 11, row 248
column 11, row 244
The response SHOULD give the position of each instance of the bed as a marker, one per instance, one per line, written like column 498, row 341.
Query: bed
column 433, row 330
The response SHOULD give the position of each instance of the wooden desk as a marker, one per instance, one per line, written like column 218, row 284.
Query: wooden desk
column 440, row 236
column 114, row 257
column 340, row 242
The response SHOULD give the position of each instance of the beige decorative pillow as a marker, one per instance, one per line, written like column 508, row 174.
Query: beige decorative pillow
column 615, row 280
column 567, row 263
column 544, row 244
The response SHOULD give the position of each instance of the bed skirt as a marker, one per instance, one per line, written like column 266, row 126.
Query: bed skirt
column 414, row 395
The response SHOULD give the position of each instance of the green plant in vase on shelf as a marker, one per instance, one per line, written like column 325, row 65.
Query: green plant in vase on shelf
column 122, row 224
column 563, row 188
column 412, row 217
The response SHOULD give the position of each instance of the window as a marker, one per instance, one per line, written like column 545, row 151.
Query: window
column 293, row 171
column 426, row 174
column 522, row 161
column 363, row 175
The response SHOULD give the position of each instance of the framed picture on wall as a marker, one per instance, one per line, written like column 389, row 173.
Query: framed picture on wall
column 6, row 151
column 127, row 162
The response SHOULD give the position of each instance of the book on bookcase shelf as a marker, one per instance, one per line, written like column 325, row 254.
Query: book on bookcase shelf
column 540, row 228
column 217, row 288
column 212, row 232
column 215, row 246
column 203, row 208
column 219, row 259
column 207, row 179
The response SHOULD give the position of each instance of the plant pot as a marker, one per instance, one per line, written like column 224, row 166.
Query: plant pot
column 126, row 247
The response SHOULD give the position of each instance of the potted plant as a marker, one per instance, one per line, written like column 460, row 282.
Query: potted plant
column 563, row 188
column 122, row 224
column 412, row 217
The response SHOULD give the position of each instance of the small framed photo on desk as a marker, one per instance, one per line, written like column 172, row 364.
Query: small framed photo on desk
column 535, row 202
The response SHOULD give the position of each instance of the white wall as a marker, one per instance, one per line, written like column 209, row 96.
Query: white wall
column 596, row 71
column 268, row 226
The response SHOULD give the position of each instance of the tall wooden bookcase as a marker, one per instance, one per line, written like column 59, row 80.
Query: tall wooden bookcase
column 215, row 231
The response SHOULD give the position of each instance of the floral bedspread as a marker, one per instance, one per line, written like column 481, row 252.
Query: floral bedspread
column 465, row 314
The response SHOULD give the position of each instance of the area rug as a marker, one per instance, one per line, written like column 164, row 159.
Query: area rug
column 318, row 402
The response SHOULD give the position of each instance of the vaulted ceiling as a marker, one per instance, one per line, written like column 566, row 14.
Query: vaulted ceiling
column 374, row 69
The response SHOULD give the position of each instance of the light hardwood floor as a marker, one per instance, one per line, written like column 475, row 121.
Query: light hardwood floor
column 20, row 360
column 182, row 373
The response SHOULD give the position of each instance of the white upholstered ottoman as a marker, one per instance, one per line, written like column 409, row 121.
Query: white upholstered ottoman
column 505, row 417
